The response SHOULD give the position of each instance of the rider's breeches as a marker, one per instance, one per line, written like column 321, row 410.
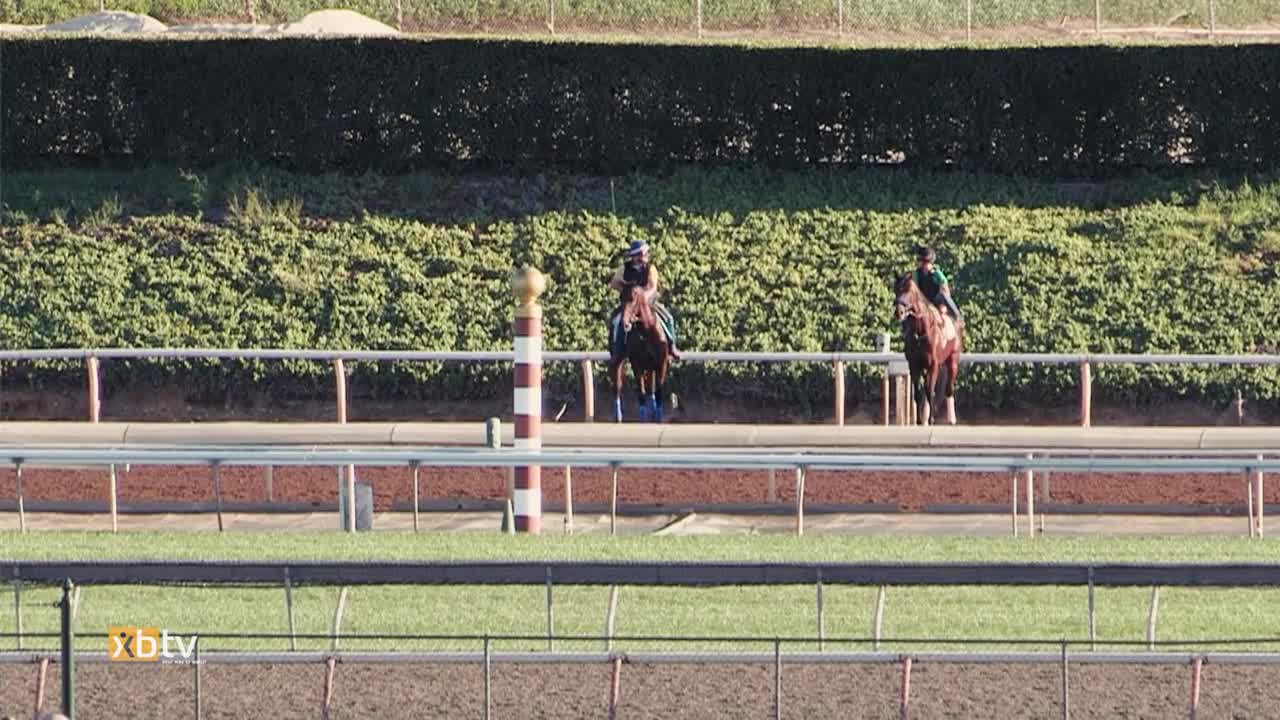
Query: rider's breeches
column 944, row 299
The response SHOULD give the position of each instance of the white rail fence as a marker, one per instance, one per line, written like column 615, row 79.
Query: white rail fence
column 893, row 364
column 1022, row 469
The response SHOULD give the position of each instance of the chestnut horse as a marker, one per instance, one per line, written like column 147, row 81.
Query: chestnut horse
column 646, row 351
column 933, row 341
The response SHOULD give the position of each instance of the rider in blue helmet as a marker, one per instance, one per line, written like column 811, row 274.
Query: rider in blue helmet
column 933, row 282
column 637, row 269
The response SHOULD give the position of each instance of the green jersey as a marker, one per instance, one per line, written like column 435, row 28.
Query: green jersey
column 931, row 283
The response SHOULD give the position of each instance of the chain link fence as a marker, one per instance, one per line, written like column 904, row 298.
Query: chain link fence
column 902, row 22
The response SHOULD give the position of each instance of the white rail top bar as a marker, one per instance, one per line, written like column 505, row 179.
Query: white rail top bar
column 595, row 458
column 579, row 355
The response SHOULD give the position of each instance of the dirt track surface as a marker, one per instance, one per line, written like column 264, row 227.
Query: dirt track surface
column 904, row 490
column 654, row 691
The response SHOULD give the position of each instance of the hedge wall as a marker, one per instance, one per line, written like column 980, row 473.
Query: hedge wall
column 395, row 105
column 1150, row 279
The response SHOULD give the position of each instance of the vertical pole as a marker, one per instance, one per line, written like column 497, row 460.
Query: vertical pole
column 1031, row 501
column 699, row 19
column 588, row 392
column 1213, row 18
column 217, row 491
column 17, row 607
column 1260, row 503
column 1097, row 17
column 568, row 500
column 968, row 21
column 609, row 618
column 95, row 390
column 415, row 467
column 904, row 695
column 340, row 384
column 115, row 500
column 839, row 375
column 1093, row 617
column 551, row 16
column 42, row 677
column 288, row 603
column 22, row 514
column 1239, row 407
column 840, row 17
column 1195, row 688
column 777, row 679
column 269, row 474
column 1013, row 507
column 822, row 618
column 613, row 503
column 68, row 668
column 800, row 501
column 1151, row 617
column 615, row 688
column 551, row 615
column 400, row 15
column 331, row 666
column 771, row 493
column 1248, row 492
column 882, row 346
column 1086, row 395
column 528, row 284
column 195, row 671
column 488, row 688
column 878, row 621
column 1066, row 685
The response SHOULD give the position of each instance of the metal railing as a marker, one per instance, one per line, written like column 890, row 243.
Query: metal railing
column 1021, row 469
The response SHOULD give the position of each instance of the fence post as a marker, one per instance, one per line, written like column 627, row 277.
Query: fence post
column 1093, row 617
column 400, row 15
column 195, row 671
column 488, row 691
column 968, row 21
column 1097, row 17
column 17, row 606
column 217, row 491
column 1086, row 395
column 610, row 617
column 1195, row 688
column 1152, row 614
column 904, row 693
column 777, row 679
column 340, row 384
column 1260, row 503
column 1213, row 18
column 588, row 392
column 878, row 621
column 551, row 16
column 613, row 502
column 699, row 18
column 551, row 615
column 839, row 375
column 528, row 284
column 800, row 473
column 615, row 688
column 95, row 389
column 568, row 500
column 882, row 346
column 416, row 468
column 288, row 602
column 840, row 17
column 22, row 515
column 68, row 668
column 1066, row 685
column 1031, row 500
column 1248, row 492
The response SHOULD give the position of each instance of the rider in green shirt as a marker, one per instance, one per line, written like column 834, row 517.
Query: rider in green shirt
column 933, row 282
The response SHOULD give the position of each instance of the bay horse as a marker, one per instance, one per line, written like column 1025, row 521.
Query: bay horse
column 933, row 341
column 647, row 352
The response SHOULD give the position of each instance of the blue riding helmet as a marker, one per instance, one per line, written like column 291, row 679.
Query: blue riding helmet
column 638, row 247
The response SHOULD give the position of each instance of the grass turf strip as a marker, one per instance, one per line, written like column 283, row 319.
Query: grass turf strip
column 977, row 613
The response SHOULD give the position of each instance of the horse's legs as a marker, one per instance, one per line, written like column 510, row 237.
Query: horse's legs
column 615, row 374
column 642, row 397
column 953, row 367
column 930, row 392
column 659, row 382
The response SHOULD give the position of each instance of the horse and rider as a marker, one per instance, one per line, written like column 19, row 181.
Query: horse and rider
column 932, row 332
column 642, row 332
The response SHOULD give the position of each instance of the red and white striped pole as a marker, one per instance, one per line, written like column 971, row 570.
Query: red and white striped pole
column 528, row 284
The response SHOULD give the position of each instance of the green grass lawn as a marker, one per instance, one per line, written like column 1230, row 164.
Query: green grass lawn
column 910, row 612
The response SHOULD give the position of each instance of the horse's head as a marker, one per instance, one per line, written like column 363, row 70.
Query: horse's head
column 907, row 297
column 635, row 309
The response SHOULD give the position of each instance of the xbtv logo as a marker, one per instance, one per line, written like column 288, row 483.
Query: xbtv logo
column 143, row 644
